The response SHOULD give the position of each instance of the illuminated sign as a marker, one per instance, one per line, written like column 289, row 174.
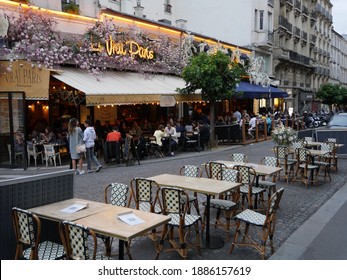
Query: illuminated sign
column 129, row 48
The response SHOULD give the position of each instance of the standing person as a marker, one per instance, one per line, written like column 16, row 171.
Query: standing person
column 89, row 137
column 75, row 137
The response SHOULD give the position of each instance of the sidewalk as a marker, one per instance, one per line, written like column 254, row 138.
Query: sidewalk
column 323, row 236
column 310, row 223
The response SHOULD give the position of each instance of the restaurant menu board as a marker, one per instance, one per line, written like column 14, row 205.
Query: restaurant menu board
column 129, row 145
column 17, row 115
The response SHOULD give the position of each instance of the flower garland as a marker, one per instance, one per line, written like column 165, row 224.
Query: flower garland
column 282, row 135
column 32, row 36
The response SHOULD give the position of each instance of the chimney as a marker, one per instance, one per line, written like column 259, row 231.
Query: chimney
column 138, row 9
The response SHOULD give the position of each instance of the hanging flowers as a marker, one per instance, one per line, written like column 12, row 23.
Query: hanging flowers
column 33, row 37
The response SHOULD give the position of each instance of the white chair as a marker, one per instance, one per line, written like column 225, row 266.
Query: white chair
column 51, row 154
column 32, row 152
column 17, row 155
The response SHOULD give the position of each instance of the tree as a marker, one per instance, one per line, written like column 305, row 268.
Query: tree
column 216, row 76
column 331, row 94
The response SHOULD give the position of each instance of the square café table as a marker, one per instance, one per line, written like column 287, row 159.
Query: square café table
column 209, row 187
column 102, row 218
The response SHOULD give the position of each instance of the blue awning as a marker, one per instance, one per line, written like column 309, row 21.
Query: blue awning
column 251, row 91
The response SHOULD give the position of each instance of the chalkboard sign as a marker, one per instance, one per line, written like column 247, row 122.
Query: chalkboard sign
column 129, row 145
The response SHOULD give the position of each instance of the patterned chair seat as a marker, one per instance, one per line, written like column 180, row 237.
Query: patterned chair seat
column 146, row 207
column 222, row 204
column 266, row 184
column 255, row 190
column 308, row 166
column 189, row 220
column 251, row 217
column 47, row 250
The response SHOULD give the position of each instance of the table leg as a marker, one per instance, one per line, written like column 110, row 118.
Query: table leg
column 121, row 250
column 211, row 242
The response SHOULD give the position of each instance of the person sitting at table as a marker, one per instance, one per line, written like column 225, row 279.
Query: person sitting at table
column 114, row 135
column 170, row 131
column 19, row 142
column 159, row 134
column 251, row 125
column 49, row 136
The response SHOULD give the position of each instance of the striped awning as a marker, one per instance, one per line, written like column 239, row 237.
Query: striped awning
column 115, row 87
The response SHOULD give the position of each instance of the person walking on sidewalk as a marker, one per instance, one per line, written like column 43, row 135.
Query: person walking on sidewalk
column 89, row 139
column 75, row 137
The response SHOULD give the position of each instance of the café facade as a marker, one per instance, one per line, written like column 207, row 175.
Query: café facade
column 126, row 67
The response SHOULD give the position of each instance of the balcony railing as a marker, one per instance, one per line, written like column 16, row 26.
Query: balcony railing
column 285, row 23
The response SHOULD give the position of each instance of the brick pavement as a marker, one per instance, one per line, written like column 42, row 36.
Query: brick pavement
column 297, row 205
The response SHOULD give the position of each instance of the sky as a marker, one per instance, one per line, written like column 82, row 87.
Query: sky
column 340, row 16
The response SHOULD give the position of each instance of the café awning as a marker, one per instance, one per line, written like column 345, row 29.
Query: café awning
column 116, row 87
column 248, row 90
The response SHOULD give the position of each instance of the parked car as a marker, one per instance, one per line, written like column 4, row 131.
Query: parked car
column 338, row 121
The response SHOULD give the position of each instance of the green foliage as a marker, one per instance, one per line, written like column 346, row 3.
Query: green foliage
column 214, row 74
column 331, row 93
column 71, row 8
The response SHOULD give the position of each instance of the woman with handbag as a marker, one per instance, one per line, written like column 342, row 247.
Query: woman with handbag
column 75, row 138
column 89, row 139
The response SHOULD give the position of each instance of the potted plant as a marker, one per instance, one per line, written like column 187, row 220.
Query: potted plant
column 71, row 8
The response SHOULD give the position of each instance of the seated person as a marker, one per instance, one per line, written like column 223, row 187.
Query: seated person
column 251, row 126
column 114, row 135
column 159, row 134
column 49, row 136
column 19, row 142
column 170, row 131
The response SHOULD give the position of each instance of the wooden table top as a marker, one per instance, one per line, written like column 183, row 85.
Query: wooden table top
column 108, row 223
column 259, row 168
column 53, row 211
column 201, row 185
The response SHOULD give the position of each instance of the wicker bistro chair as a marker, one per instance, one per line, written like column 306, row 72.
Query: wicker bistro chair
column 324, row 162
column 143, row 192
column 75, row 239
column 27, row 228
column 248, row 189
column 227, row 203
column 170, row 200
column 270, row 186
column 191, row 171
column 256, row 221
column 213, row 169
column 305, row 167
column 332, row 143
column 238, row 157
column 115, row 194
column 287, row 164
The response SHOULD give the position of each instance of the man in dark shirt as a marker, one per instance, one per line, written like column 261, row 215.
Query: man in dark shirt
column 204, row 131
